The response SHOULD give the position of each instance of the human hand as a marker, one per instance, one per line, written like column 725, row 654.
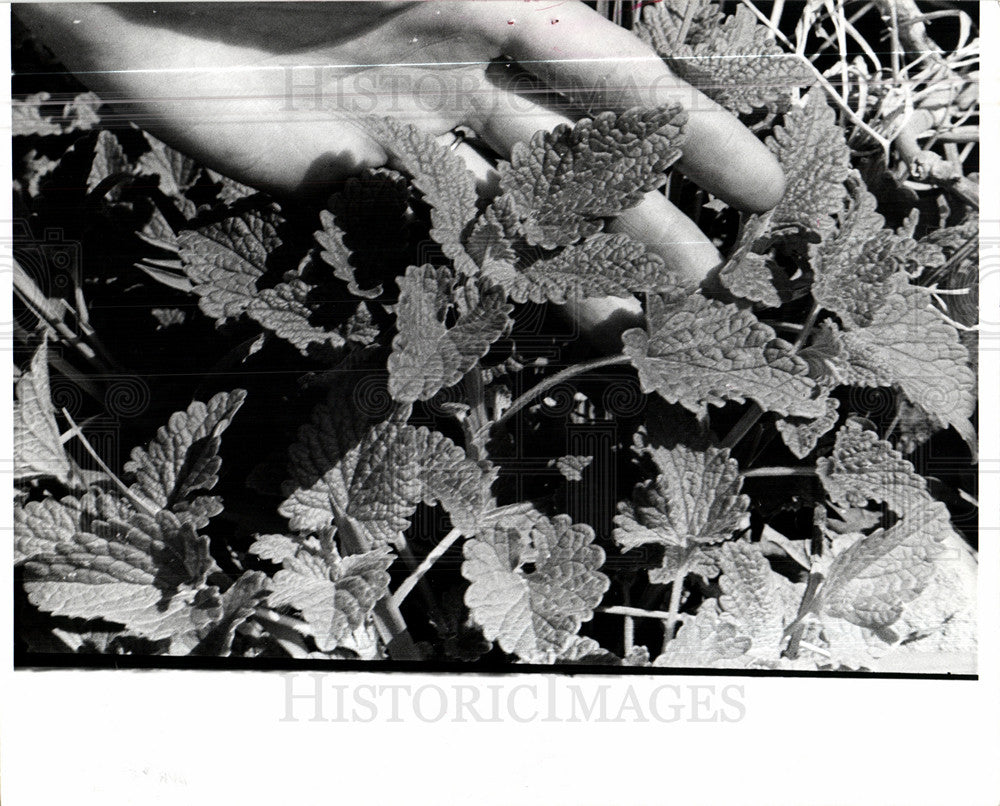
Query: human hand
column 213, row 81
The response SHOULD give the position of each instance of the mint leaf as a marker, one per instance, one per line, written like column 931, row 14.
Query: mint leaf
column 699, row 351
column 145, row 573
column 704, row 640
column 335, row 595
column 869, row 583
column 109, row 159
column 369, row 479
column 427, row 355
column 732, row 59
column 183, row 459
column 601, row 266
column 863, row 263
column 864, row 468
column 909, row 345
column 572, row 467
column 440, row 175
column 693, row 502
column 752, row 597
column 177, row 172
column 564, row 181
column 38, row 449
column 534, row 613
column 225, row 260
column 238, row 603
column 816, row 162
column 800, row 434
column 287, row 311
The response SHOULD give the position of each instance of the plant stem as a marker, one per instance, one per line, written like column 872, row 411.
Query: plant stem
column 636, row 612
column 675, row 606
column 779, row 471
column 555, row 380
column 435, row 554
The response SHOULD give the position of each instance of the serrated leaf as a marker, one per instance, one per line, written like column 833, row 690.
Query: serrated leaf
column 38, row 449
column 800, row 435
column 183, row 459
column 564, row 181
column 816, row 162
column 693, row 502
column 699, row 351
column 864, row 468
column 284, row 311
column 733, row 59
column 534, row 613
column 237, row 605
column 601, row 266
column 909, row 345
column 225, row 260
column 37, row 524
column 856, row 269
column 572, row 467
column 109, row 159
column 440, row 175
column 338, row 256
column 145, row 573
column 869, row 583
column 427, row 355
column 370, row 478
column 751, row 597
column 177, row 172
column 704, row 640
column 335, row 595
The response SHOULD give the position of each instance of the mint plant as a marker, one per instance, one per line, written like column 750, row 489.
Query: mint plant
column 366, row 496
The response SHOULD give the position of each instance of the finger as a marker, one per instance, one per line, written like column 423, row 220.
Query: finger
column 568, row 46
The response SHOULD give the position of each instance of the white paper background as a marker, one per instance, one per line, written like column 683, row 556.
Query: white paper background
column 171, row 737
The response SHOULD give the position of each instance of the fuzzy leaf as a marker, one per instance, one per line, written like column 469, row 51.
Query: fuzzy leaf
column 38, row 450
column 751, row 597
column 177, row 172
column 26, row 117
column 601, row 266
column 145, row 573
column 109, row 159
column 564, row 181
column 284, row 311
column 183, row 459
column 572, row 467
column 733, row 59
column 534, row 613
column 800, row 435
column 869, row 583
column 238, row 604
column 370, row 478
column 859, row 267
column 335, row 595
column 816, row 162
column 909, row 345
column 864, row 468
column 427, row 355
column 440, row 175
column 694, row 502
column 704, row 640
column 699, row 351
column 225, row 260
column 38, row 524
